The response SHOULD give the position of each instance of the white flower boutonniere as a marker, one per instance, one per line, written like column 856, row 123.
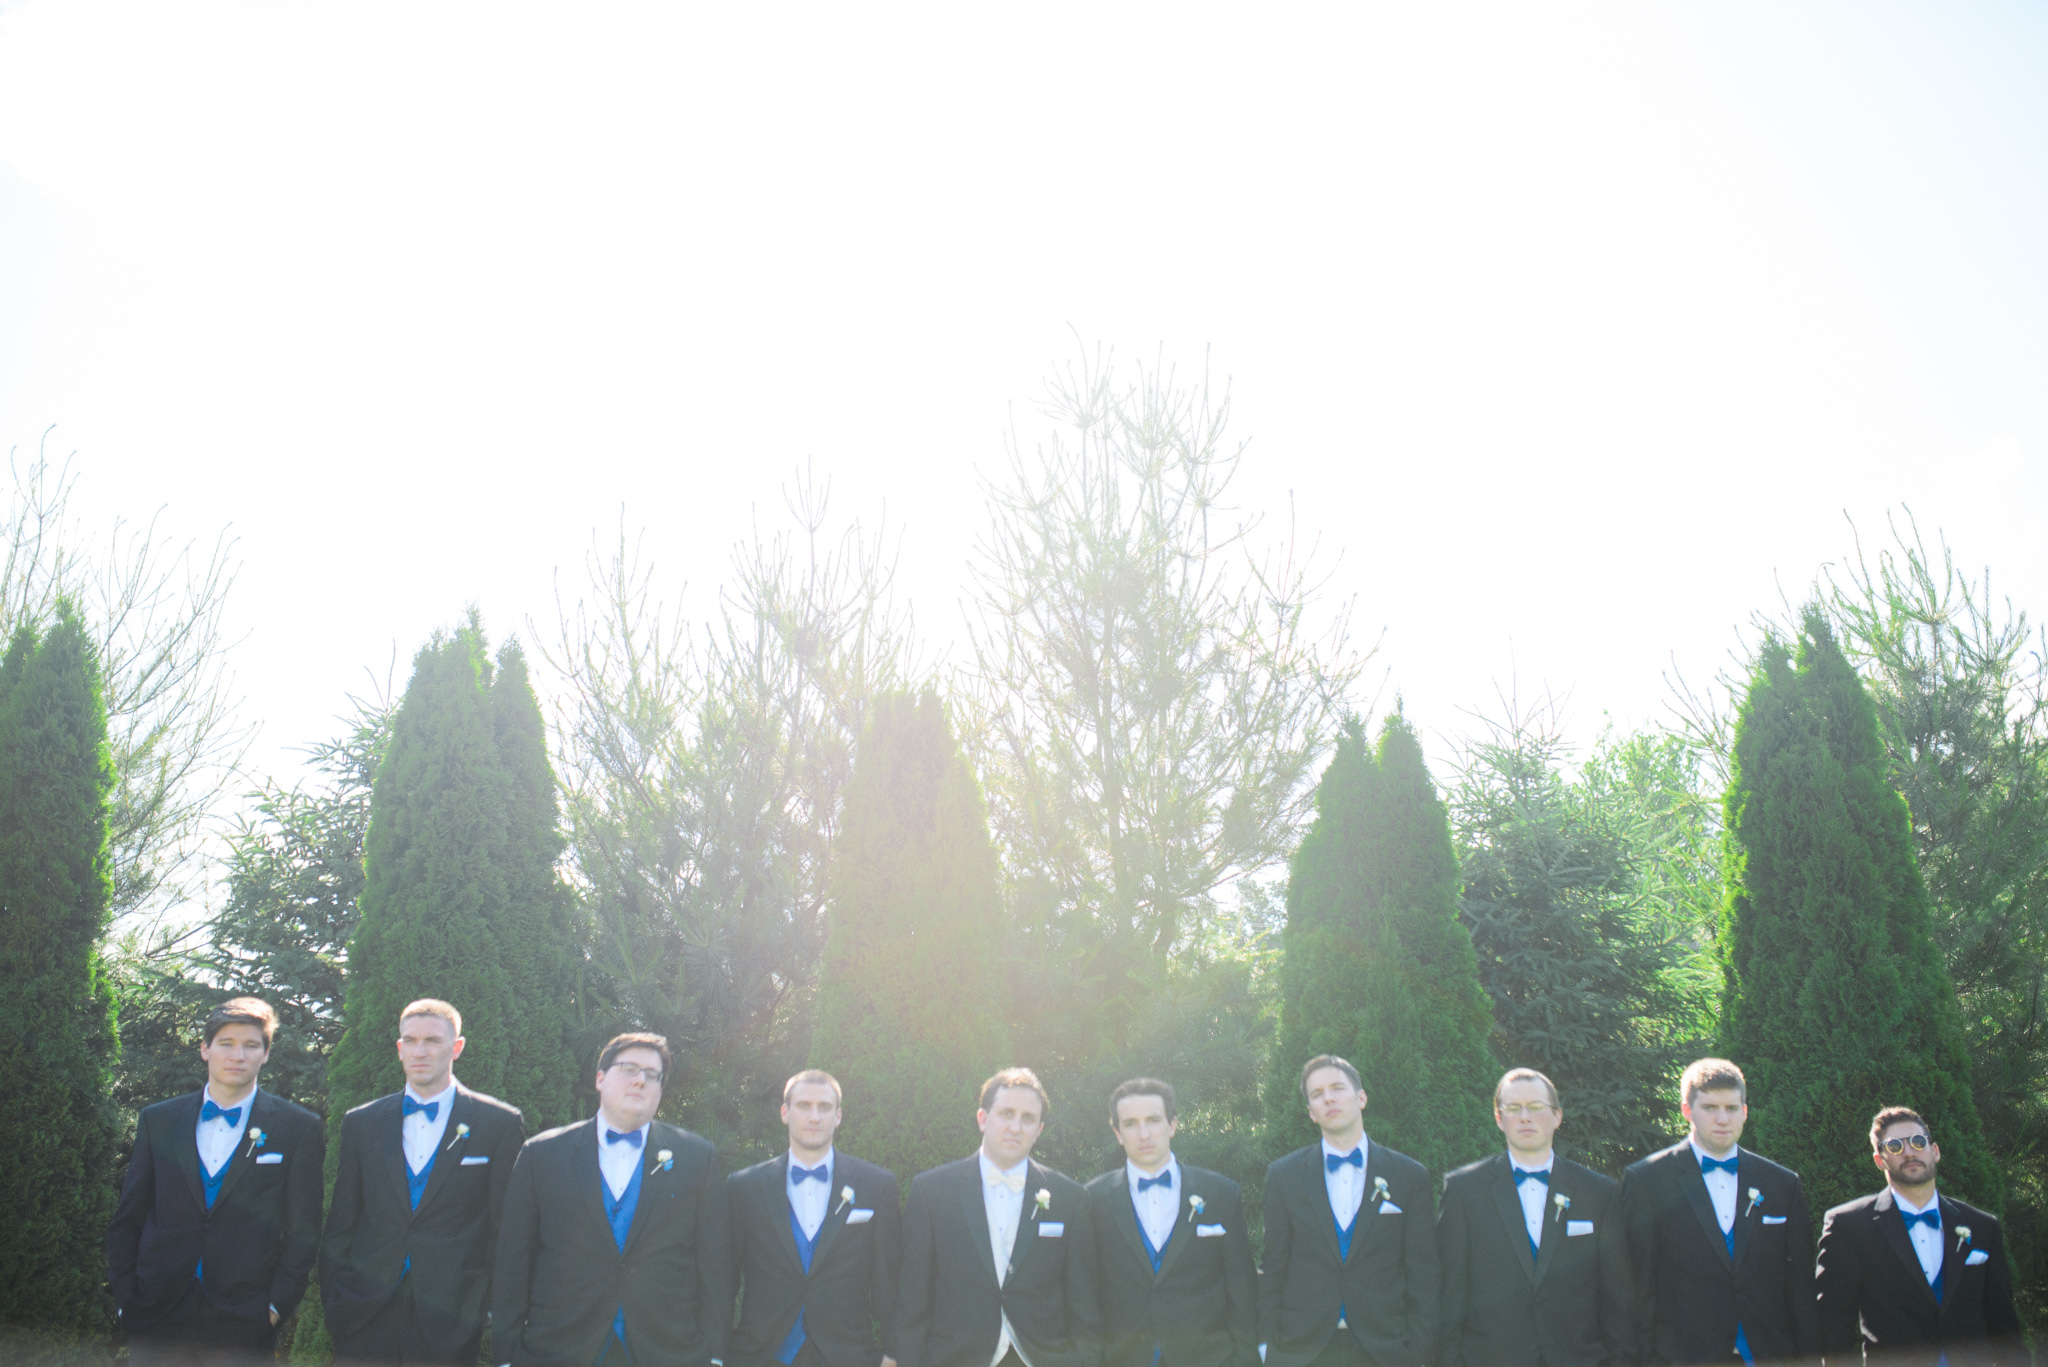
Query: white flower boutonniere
column 256, row 1138
column 845, row 1199
column 1195, row 1208
column 664, row 1161
column 1962, row 1235
column 1563, row 1204
column 1379, row 1189
column 1042, row 1202
column 461, row 1133
column 1756, row 1198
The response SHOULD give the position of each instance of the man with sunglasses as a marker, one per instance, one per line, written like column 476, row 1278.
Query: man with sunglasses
column 1911, row 1274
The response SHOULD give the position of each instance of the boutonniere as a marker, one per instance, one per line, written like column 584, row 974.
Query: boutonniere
column 1041, row 1203
column 461, row 1133
column 1563, row 1204
column 256, row 1138
column 1756, row 1198
column 664, row 1161
column 1379, row 1189
column 845, row 1199
column 1962, row 1236
column 1195, row 1208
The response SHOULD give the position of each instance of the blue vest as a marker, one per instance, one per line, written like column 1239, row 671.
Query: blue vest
column 1158, row 1255
column 213, row 1180
column 793, row 1341
column 416, row 1182
column 618, row 1213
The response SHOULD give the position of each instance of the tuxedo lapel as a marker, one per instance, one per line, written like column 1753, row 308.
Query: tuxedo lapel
column 1952, row 1254
column 185, row 1144
column 1507, row 1202
column 1550, row 1229
column 837, row 1208
column 1892, row 1229
column 589, row 1178
column 1183, row 1227
column 1746, row 1214
column 654, row 1182
column 1317, row 1194
column 1127, row 1218
column 449, row 1155
column 390, row 1131
column 1694, row 1185
column 975, row 1214
column 776, row 1200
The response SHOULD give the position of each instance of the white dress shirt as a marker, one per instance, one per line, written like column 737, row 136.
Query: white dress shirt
column 217, row 1138
column 1005, row 1211
column 421, row 1136
column 1720, row 1187
column 1533, row 1196
column 1926, row 1242
column 1346, row 1184
column 1159, row 1206
column 617, row 1161
column 810, row 1199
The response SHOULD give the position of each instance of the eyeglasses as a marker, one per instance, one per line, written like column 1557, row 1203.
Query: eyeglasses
column 1535, row 1110
column 633, row 1072
column 1916, row 1142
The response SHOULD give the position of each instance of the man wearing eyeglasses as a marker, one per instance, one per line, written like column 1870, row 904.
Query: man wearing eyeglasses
column 1911, row 1274
column 613, row 1248
column 1720, row 1246
column 1535, row 1270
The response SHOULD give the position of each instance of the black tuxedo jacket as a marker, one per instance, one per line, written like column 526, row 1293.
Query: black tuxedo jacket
column 1568, row 1306
column 559, row 1275
column 950, row 1310
column 372, row 1228
column 1874, row 1297
column 258, row 1241
column 1202, row 1307
column 1690, row 1294
column 849, row 1296
column 1389, row 1288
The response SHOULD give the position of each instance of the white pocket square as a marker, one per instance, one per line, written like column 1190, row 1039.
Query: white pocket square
column 1574, row 1228
column 1389, row 1208
column 857, row 1216
column 1977, row 1259
column 1774, row 1219
column 476, row 1159
column 1208, row 1231
column 270, row 1158
column 1051, row 1229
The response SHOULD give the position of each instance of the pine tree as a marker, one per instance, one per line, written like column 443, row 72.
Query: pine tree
column 907, row 1017
column 460, row 898
column 58, row 1138
column 1835, row 999
column 1378, row 968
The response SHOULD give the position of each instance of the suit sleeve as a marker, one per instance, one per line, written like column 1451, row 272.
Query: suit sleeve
column 1424, row 1271
column 1837, row 1291
column 504, row 1157
column 736, row 1238
column 2001, row 1317
column 1241, row 1282
column 887, row 1267
column 914, row 1292
column 1799, row 1288
column 1084, row 1312
column 1617, row 1287
column 714, row 1260
column 342, row 1213
column 302, row 1197
column 1454, row 1244
column 1276, row 1248
column 1639, row 1251
column 518, row 1245
column 124, row 1235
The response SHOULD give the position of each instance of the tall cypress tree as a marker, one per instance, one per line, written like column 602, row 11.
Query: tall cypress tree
column 460, row 898
column 1835, row 999
column 908, row 1011
column 1378, row 968
column 58, row 1135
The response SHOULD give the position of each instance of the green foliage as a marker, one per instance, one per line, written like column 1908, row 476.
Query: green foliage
column 1836, row 1000
column 909, row 1000
column 1378, row 967
column 58, row 1130
column 459, row 899
column 1561, row 884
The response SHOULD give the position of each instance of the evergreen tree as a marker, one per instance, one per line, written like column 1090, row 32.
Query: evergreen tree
column 58, row 1139
column 907, row 1017
column 460, row 899
column 1378, row 968
column 1835, row 999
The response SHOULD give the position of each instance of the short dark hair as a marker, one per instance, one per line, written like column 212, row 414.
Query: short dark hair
column 1711, row 1075
column 1525, row 1075
column 1895, row 1115
column 1342, row 1065
column 1015, row 1077
column 243, row 1011
column 436, row 1008
column 635, row 1039
column 1143, row 1086
column 813, row 1075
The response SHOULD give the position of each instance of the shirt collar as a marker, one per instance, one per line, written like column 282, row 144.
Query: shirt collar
column 1701, row 1155
column 989, row 1169
column 1519, row 1166
column 1899, row 1198
column 428, row 1100
column 1132, row 1172
column 1364, row 1149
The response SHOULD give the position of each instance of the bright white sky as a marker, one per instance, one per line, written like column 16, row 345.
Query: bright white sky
column 1574, row 329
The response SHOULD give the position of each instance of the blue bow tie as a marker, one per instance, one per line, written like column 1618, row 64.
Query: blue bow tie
column 1334, row 1161
column 1164, row 1179
column 1524, row 1175
column 1727, row 1165
column 822, row 1172
column 233, row 1114
column 407, row 1106
column 630, row 1137
column 1931, row 1217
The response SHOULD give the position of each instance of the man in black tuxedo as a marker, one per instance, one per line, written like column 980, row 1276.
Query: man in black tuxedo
column 1350, row 1273
column 998, row 1254
column 1911, row 1275
column 1720, row 1245
column 1535, row 1264
column 1177, row 1283
column 613, row 1243
column 405, row 1264
column 817, row 1237
column 219, row 1217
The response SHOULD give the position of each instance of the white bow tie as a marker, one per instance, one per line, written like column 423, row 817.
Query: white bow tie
column 1013, row 1180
